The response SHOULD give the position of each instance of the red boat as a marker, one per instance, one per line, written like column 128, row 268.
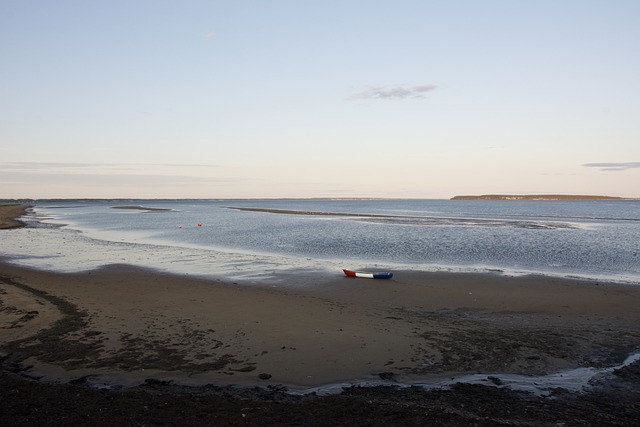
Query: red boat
column 381, row 275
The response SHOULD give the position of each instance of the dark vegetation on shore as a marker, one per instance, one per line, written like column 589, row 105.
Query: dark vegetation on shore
column 9, row 214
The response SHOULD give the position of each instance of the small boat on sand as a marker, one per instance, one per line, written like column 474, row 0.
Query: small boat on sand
column 381, row 275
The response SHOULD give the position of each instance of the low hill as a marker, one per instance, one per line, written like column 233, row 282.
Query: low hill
column 538, row 197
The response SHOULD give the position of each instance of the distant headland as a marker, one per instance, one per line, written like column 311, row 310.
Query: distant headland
column 539, row 197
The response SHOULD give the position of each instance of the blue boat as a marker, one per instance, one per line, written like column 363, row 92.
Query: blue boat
column 381, row 275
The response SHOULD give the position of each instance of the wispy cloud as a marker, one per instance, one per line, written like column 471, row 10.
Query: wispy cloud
column 613, row 167
column 78, row 167
column 117, row 176
column 392, row 92
column 208, row 36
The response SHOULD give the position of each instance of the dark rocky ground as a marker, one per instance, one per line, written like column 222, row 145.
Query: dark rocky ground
column 26, row 402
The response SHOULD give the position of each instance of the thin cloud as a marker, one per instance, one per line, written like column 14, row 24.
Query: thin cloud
column 50, row 166
column 208, row 36
column 613, row 167
column 120, row 180
column 86, row 176
column 45, row 165
column 392, row 92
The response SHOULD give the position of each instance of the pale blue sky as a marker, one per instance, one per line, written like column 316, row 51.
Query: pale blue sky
column 224, row 99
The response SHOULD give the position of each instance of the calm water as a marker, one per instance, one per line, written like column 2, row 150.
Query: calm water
column 591, row 239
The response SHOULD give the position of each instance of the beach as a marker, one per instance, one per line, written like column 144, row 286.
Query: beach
column 132, row 335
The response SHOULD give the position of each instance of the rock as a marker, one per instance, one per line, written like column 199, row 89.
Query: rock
column 387, row 376
column 495, row 380
column 245, row 369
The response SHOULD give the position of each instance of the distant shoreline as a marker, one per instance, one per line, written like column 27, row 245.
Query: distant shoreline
column 28, row 201
column 540, row 197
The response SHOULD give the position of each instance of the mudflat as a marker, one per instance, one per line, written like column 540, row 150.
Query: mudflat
column 132, row 324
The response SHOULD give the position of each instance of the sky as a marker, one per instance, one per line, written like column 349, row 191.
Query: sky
column 338, row 99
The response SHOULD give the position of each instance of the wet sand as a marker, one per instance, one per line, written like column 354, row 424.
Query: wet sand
column 162, row 334
column 131, row 324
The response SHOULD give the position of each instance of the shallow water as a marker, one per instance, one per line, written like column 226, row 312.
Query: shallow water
column 575, row 380
column 587, row 239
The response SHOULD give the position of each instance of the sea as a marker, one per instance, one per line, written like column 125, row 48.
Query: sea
column 253, row 241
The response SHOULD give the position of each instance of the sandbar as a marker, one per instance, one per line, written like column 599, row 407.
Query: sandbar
column 140, row 208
